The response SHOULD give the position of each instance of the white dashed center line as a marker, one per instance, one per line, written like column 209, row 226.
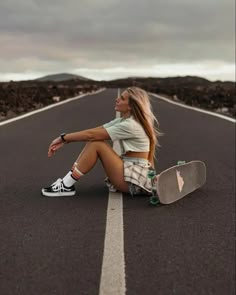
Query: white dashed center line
column 113, row 265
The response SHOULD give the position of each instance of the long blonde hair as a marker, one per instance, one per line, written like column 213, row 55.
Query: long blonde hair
column 141, row 109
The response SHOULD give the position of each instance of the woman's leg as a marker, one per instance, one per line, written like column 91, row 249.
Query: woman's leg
column 111, row 162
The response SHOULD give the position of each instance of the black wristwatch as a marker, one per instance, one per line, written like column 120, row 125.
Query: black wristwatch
column 62, row 137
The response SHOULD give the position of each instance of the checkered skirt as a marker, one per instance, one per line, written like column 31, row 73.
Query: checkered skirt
column 137, row 173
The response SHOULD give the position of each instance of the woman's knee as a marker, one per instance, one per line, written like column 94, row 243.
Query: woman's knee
column 112, row 163
column 97, row 143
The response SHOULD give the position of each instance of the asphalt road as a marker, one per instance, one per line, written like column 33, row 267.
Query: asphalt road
column 55, row 245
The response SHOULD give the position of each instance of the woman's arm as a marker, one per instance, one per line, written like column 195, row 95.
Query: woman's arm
column 94, row 134
column 98, row 133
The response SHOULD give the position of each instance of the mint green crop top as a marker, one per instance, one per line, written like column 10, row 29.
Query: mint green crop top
column 129, row 133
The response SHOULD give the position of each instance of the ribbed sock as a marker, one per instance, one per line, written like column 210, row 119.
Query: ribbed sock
column 72, row 176
column 73, row 167
column 76, row 174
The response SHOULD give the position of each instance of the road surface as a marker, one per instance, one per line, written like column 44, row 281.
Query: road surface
column 55, row 245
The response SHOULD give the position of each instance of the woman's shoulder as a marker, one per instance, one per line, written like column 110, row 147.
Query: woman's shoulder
column 135, row 126
column 130, row 121
column 133, row 122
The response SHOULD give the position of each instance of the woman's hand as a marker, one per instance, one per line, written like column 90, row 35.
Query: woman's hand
column 54, row 146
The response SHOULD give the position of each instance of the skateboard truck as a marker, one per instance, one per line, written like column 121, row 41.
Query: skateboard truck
column 154, row 201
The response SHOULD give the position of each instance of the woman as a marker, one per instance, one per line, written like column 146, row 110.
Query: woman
column 138, row 139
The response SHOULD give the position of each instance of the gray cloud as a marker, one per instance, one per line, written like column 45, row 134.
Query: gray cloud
column 47, row 36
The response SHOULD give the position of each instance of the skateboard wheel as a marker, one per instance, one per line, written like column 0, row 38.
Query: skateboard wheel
column 181, row 162
column 154, row 201
column 151, row 173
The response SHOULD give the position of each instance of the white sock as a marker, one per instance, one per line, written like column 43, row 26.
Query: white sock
column 71, row 177
column 68, row 180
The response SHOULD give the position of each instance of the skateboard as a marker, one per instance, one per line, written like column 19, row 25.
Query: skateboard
column 176, row 182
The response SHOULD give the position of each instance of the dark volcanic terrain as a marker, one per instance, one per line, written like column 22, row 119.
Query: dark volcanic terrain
column 21, row 97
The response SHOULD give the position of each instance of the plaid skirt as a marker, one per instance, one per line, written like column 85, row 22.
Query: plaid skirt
column 136, row 174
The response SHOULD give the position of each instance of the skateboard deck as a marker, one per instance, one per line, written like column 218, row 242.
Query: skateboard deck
column 180, row 180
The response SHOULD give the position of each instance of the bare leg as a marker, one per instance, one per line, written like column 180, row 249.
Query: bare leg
column 111, row 162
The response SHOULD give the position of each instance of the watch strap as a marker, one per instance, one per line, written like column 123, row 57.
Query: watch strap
column 62, row 137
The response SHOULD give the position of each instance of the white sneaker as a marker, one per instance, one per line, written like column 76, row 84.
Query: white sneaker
column 58, row 189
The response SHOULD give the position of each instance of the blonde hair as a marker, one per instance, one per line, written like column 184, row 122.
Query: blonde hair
column 141, row 110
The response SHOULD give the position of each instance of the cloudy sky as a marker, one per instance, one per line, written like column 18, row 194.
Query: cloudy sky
column 107, row 39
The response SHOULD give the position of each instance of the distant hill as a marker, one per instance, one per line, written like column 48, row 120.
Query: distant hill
column 177, row 79
column 62, row 77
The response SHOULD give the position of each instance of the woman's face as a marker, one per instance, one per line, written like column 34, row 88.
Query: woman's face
column 122, row 103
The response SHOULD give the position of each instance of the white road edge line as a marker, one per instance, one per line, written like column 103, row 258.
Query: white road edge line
column 48, row 107
column 194, row 108
column 113, row 265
